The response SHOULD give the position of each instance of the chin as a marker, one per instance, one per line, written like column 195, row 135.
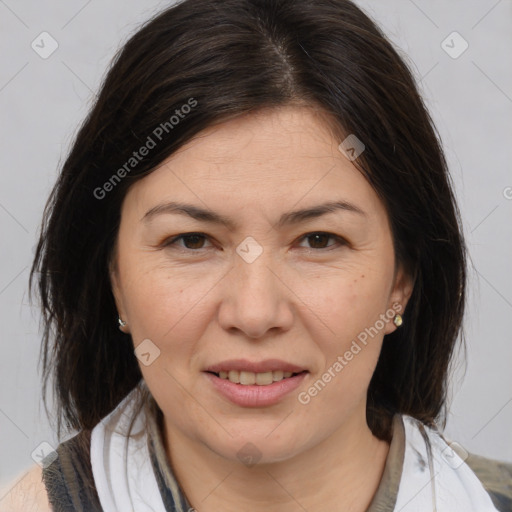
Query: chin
column 256, row 448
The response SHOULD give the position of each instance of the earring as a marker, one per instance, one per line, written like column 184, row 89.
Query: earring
column 122, row 323
column 398, row 320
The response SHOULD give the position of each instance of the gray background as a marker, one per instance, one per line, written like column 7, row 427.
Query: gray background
column 470, row 98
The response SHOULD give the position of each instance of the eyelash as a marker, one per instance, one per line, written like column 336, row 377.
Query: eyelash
column 172, row 242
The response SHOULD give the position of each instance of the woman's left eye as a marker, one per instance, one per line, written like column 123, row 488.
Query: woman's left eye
column 195, row 241
column 319, row 238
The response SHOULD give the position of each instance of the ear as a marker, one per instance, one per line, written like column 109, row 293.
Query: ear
column 116, row 292
column 403, row 286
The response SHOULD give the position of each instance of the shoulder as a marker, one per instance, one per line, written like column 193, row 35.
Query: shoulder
column 64, row 485
column 26, row 493
column 496, row 477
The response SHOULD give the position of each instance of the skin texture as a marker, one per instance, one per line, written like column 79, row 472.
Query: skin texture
column 25, row 493
column 303, row 300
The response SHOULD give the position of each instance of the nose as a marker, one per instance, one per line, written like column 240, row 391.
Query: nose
column 255, row 298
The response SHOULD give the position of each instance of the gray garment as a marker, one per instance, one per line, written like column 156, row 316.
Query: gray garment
column 70, row 483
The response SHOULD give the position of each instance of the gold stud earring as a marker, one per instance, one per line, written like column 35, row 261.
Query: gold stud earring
column 398, row 320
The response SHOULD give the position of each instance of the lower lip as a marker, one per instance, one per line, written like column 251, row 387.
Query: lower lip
column 255, row 396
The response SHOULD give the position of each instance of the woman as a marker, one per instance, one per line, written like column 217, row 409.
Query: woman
column 252, row 275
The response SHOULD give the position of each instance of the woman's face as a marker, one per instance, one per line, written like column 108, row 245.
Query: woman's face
column 269, row 290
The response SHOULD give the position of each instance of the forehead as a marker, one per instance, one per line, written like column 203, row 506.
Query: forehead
column 286, row 156
column 262, row 141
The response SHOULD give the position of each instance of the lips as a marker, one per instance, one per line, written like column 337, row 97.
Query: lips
column 255, row 395
column 255, row 384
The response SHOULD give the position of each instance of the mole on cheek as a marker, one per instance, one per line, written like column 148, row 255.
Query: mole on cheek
column 362, row 276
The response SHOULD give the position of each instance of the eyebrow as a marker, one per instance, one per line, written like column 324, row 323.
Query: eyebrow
column 289, row 218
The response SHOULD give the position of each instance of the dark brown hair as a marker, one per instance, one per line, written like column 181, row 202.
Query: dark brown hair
column 234, row 57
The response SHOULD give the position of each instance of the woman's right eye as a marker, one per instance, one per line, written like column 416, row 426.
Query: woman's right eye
column 188, row 239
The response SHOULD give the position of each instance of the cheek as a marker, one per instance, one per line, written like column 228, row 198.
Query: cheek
column 162, row 301
column 350, row 333
column 350, row 348
column 348, row 303
column 173, row 316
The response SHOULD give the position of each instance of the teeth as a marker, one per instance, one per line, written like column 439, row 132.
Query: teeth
column 277, row 375
column 247, row 378
column 234, row 376
column 251, row 378
column 264, row 379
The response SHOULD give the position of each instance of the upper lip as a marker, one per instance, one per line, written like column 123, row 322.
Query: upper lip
column 268, row 365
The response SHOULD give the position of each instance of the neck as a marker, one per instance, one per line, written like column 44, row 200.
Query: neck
column 345, row 468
